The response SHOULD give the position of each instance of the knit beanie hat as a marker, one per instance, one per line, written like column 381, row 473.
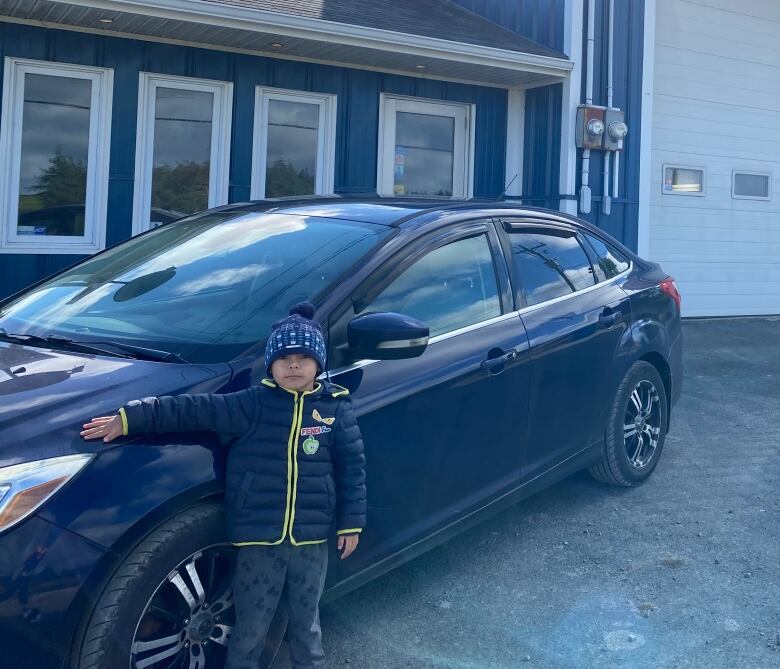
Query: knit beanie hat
column 297, row 333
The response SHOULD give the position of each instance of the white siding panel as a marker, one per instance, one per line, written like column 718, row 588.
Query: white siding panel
column 716, row 106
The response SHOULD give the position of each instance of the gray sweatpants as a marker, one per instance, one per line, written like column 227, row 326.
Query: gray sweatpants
column 265, row 574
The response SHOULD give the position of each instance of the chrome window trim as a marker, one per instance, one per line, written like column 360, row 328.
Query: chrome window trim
column 359, row 364
column 562, row 298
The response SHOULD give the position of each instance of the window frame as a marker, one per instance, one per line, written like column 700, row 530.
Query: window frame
column 535, row 226
column 221, row 121
column 751, row 173
column 326, row 137
column 389, row 104
column 98, row 154
column 401, row 260
column 677, row 166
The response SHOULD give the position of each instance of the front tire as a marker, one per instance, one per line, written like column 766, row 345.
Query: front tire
column 170, row 601
column 636, row 428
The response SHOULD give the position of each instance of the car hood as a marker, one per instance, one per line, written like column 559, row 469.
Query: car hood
column 46, row 396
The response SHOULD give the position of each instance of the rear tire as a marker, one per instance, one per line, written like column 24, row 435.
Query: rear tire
column 170, row 596
column 636, row 428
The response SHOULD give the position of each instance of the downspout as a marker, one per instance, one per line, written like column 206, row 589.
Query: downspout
column 606, row 202
column 585, row 197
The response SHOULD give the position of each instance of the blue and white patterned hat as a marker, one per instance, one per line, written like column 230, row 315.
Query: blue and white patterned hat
column 297, row 333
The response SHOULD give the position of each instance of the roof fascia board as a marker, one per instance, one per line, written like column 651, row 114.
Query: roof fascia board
column 318, row 29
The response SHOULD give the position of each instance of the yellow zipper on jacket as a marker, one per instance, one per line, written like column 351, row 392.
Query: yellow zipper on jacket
column 292, row 474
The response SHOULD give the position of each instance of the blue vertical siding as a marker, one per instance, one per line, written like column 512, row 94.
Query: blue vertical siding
column 539, row 20
column 627, row 95
column 356, row 130
column 542, row 146
column 543, row 20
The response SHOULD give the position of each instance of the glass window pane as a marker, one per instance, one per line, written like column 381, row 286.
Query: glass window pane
column 424, row 154
column 550, row 266
column 182, row 153
column 54, row 152
column 611, row 263
column 291, row 159
column 449, row 288
column 751, row 185
column 683, row 180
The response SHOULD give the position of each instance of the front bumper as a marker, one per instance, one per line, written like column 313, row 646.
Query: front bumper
column 43, row 570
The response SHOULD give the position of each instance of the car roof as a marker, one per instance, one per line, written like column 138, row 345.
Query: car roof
column 387, row 211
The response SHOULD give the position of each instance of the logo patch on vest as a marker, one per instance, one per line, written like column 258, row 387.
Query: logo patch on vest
column 310, row 446
column 316, row 416
column 310, row 431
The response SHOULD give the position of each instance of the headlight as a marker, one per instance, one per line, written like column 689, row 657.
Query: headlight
column 23, row 488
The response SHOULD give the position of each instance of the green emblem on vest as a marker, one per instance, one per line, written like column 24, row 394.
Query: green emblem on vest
column 310, row 446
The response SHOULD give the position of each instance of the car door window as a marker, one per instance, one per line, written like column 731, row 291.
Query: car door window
column 549, row 264
column 610, row 261
column 449, row 288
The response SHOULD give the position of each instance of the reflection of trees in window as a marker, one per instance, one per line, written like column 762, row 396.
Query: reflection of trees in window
column 64, row 181
column 283, row 179
column 609, row 266
column 184, row 188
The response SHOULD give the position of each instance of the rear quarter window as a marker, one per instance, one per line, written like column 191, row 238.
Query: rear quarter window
column 610, row 261
column 549, row 264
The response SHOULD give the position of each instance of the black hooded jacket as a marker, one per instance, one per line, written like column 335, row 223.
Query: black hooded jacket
column 295, row 462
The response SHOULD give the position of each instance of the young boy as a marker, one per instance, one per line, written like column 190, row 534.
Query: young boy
column 296, row 459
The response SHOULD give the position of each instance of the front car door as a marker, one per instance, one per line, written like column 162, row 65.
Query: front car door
column 443, row 431
column 575, row 325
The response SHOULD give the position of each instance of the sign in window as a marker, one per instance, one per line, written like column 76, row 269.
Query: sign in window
column 424, row 148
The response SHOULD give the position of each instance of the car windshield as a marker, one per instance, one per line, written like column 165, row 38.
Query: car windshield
column 206, row 287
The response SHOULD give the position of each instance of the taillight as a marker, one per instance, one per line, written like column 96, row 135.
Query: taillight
column 668, row 286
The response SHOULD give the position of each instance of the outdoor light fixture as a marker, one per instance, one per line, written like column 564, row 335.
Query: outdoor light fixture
column 420, row 66
column 105, row 20
column 277, row 45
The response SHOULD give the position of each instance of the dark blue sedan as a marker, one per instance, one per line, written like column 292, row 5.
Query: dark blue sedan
column 491, row 350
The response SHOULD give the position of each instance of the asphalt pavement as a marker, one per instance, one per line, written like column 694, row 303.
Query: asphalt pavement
column 683, row 571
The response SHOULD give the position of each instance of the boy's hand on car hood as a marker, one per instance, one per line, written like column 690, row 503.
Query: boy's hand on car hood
column 107, row 427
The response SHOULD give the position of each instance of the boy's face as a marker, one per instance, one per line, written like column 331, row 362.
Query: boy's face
column 295, row 372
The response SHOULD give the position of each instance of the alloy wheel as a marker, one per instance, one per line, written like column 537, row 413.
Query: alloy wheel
column 188, row 621
column 642, row 424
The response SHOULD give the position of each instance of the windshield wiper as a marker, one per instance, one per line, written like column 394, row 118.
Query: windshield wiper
column 57, row 341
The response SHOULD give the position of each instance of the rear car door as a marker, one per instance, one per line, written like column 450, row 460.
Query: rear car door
column 575, row 325
column 443, row 431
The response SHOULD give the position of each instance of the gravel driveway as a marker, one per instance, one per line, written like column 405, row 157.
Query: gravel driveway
column 683, row 571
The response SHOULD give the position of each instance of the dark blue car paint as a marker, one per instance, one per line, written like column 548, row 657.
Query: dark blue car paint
column 151, row 478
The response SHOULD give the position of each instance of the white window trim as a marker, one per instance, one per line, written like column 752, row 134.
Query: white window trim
column 326, row 137
column 221, row 119
column 96, row 201
column 768, row 176
column 388, row 105
column 676, row 166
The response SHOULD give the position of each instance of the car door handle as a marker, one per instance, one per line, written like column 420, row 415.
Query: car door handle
column 608, row 319
column 499, row 361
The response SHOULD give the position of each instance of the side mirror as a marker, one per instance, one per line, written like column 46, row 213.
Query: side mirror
column 386, row 336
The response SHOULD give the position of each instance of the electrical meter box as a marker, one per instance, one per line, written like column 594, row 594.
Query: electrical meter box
column 590, row 127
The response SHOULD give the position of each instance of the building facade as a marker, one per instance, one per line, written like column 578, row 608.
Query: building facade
column 119, row 115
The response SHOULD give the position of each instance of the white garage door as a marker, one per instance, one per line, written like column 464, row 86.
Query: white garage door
column 715, row 203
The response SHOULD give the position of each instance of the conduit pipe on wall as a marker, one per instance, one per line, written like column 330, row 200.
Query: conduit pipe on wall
column 606, row 202
column 585, row 195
